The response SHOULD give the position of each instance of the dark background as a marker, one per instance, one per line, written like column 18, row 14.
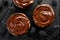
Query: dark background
column 7, row 8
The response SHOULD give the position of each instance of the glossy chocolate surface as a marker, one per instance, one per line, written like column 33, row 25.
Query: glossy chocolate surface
column 18, row 24
column 23, row 3
column 43, row 15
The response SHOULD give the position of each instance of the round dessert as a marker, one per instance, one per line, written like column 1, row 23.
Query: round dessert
column 23, row 3
column 43, row 15
column 18, row 24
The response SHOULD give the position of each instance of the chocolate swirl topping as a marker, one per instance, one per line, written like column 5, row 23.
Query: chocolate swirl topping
column 18, row 24
column 23, row 3
column 43, row 15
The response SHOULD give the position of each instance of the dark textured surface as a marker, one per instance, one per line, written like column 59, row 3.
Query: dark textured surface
column 51, row 32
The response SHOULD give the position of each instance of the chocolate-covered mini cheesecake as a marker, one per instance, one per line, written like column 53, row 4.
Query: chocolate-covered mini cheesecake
column 18, row 24
column 23, row 3
column 43, row 15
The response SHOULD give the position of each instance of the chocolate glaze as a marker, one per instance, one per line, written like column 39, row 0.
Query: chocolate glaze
column 43, row 15
column 18, row 24
column 23, row 3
